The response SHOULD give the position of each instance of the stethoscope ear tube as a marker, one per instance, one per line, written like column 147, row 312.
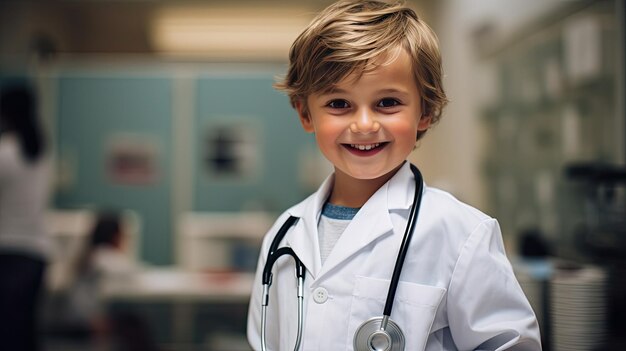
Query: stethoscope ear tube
column 271, row 259
column 273, row 255
column 267, row 281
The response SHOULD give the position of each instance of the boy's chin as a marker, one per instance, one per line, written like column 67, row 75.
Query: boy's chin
column 364, row 173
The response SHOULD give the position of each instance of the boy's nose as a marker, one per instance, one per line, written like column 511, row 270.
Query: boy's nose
column 365, row 122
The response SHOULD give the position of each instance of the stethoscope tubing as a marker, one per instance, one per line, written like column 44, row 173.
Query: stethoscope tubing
column 300, row 315
column 406, row 240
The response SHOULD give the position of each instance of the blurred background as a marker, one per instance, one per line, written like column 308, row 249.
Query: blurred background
column 163, row 112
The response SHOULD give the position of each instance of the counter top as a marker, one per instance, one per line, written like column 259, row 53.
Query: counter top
column 173, row 284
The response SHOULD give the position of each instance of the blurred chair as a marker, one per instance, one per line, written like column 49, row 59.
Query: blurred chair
column 221, row 241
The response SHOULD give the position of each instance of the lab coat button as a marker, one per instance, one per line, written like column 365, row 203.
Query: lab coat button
column 320, row 295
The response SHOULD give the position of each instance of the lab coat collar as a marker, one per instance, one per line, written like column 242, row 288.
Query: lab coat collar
column 401, row 189
column 370, row 223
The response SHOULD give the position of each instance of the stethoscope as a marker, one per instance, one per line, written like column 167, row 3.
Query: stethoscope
column 376, row 334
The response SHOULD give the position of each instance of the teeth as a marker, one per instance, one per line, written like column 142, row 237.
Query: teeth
column 363, row 147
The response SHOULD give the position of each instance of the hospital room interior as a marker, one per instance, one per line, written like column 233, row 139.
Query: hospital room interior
column 162, row 115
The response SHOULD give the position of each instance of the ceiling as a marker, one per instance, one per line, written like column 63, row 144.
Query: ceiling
column 171, row 28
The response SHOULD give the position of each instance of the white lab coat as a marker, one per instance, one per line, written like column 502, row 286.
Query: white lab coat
column 457, row 290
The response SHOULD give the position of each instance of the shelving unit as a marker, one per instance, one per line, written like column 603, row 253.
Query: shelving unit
column 556, row 101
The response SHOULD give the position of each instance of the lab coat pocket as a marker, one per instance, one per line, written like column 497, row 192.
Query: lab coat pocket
column 414, row 308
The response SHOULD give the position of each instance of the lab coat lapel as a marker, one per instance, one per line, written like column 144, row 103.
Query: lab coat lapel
column 373, row 220
column 303, row 239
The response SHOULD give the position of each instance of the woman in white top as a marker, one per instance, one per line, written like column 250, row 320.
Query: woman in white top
column 24, row 245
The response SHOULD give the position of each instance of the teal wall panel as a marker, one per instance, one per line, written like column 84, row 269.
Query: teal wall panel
column 92, row 107
column 90, row 110
column 249, row 100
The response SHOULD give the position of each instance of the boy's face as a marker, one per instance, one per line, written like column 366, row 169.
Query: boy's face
column 367, row 127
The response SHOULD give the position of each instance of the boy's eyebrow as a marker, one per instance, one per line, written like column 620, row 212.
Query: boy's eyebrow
column 392, row 90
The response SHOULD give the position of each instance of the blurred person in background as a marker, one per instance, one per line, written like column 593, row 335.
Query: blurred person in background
column 24, row 245
column 104, row 260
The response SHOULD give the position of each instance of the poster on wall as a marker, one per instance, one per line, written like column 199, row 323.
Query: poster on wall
column 131, row 159
column 231, row 150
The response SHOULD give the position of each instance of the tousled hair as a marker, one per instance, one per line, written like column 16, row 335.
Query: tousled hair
column 349, row 38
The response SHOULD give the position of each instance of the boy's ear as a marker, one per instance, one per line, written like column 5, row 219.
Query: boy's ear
column 305, row 118
column 424, row 123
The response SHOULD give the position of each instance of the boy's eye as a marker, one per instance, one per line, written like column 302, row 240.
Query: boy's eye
column 339, row 104
column 388, row 102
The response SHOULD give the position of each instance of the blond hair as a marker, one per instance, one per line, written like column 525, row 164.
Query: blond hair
column 349, row 37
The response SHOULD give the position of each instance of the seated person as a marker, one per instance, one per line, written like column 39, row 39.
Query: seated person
column 103, row 259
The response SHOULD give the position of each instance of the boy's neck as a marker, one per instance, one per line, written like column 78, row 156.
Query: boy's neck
column 351, row 192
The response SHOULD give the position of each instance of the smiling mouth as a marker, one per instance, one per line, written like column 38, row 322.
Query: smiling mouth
column 366, row 147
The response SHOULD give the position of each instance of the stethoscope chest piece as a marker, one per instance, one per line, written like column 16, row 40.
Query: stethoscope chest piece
column 370, row 336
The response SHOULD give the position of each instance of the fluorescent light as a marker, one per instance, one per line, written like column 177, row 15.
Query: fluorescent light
column 228, row 32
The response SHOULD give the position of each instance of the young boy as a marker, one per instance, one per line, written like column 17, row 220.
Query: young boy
column 365, row 78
